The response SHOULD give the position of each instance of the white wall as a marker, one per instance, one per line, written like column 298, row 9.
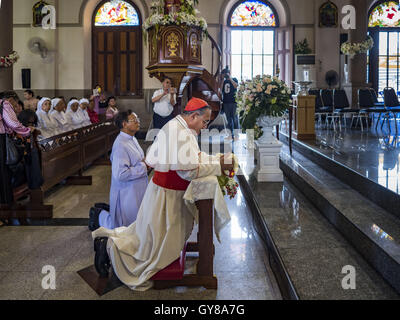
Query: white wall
column 72, row 69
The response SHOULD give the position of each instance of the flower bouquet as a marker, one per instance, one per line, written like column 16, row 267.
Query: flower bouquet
column 8, row 61
column 227, row 181
column 262, row 96
column 352, row 49
column 187, row 15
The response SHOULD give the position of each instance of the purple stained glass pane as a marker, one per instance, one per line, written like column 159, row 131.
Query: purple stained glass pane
column 253, row 14
column 386, row 15
column 116, row 13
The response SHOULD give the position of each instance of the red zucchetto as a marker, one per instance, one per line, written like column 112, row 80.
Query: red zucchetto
column 195, row 104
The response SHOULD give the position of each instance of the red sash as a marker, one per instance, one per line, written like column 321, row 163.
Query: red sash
column 170, row 180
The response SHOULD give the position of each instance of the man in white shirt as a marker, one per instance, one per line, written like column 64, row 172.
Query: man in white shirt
column 164, row 101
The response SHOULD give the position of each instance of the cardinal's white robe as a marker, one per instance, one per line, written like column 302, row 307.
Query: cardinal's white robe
column 164, row 222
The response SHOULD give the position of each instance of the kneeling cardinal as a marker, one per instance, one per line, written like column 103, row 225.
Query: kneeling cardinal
column 164, row 223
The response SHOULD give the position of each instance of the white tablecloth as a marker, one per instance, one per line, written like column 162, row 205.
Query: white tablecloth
column 204, row 189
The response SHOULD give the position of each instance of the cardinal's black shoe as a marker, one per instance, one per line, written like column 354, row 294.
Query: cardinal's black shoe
column 103, row 206
column 101, row 259
column 94, row 214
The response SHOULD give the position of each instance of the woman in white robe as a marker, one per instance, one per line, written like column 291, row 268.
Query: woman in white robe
column 129, row 175
column 83, row 105
column 72, row 115
column 46, row 124
column 58, row 116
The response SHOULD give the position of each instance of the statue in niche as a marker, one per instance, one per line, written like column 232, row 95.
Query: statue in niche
column 328, row 15
column 172, row 6
column 37, row 13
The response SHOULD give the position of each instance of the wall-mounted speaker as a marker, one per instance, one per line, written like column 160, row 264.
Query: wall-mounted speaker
column 26, row 78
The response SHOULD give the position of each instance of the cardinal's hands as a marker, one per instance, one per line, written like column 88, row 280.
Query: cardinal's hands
column 226, row 165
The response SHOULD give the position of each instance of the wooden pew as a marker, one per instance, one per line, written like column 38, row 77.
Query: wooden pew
column 64, row 157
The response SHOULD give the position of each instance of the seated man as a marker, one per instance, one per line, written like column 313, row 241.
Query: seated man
column 164, row 222
column 129, row 178
column 30, row 101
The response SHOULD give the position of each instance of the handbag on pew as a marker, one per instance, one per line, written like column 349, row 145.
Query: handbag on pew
column 33, row 167
column 14, row 155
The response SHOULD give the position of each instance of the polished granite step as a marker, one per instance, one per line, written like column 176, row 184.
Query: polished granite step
column 373, row 232
column 312, row 253
column 307, row 253
column 366, row 162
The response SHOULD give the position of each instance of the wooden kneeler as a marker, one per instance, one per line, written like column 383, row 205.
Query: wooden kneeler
column 172, row 276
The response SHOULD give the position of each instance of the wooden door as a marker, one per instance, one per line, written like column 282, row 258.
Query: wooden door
column 117, row 63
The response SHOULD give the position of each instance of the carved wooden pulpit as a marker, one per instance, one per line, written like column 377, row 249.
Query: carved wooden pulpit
column 175, row 52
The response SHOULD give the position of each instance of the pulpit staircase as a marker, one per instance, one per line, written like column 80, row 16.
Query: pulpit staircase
column 208, row 86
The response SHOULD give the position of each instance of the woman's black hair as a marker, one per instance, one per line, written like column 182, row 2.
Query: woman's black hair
column 21, row 104
column 9, row 94
column 108, row 100
column 28, row 118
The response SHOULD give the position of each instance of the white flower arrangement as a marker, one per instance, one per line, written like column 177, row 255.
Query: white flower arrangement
column 350, row 48
column 186, row 16
column 262, row 96
column 8, row 61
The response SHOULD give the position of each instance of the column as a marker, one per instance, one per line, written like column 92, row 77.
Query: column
column 6, row 42
column 358, row 65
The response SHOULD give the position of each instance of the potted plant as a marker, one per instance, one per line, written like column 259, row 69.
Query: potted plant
column 302, row 47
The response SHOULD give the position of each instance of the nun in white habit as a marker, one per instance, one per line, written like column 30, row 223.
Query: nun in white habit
column 47, row 126
column 83, row 105
column 72, row 115
column 58, row 116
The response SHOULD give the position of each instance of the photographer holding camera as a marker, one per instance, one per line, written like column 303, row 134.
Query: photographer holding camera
column 164, row 101
column 229, row 104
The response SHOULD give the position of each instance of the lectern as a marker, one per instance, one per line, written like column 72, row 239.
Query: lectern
column 304, row 117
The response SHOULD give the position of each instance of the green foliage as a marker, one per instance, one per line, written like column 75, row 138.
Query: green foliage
column 302, row 47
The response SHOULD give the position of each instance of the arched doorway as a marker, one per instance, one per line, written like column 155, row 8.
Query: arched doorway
column 117, row 48
column 384, row 58
column 253, row 27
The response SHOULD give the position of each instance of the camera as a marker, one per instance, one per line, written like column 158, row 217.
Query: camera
column 226, row 72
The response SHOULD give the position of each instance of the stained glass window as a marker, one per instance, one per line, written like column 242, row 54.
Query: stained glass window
column 117, row 13
column 387, row 14
column 253, row 14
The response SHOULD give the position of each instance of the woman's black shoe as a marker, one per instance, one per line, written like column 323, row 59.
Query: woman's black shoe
column 94, row 214
column 101, row 259
column 103, row 206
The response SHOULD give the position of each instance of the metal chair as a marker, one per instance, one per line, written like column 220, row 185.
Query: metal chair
column 327, row 101
column 342, row 106
column 369, row 105
column 319, row 108
column 392, row 106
